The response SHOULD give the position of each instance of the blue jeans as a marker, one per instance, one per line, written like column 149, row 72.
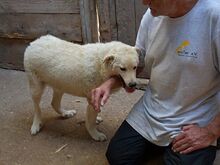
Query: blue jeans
column 128, row 147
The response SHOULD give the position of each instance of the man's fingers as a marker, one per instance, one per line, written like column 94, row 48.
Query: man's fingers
column 95, row 99
column 187, row 127
column 181, row 145
column 187, row 150
column 99, row 97
column 104, row 98
column 178, row 138
column 93, row 96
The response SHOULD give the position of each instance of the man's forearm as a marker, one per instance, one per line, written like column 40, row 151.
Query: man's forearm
column 114, row 82
column 141, row 63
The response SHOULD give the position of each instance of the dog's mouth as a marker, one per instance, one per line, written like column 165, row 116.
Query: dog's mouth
column 128, row 88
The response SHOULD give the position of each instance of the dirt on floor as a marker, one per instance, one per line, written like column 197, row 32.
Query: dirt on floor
column 61, row 141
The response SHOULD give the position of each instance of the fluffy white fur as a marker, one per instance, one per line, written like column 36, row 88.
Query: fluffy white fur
column 75, row 69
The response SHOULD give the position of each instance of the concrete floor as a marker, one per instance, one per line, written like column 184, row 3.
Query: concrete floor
column 18, row 147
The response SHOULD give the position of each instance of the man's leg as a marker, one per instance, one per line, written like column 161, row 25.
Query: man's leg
column 204, row 156
column 128, row 147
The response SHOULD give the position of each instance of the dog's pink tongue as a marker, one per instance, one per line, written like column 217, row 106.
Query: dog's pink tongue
column 129, row 90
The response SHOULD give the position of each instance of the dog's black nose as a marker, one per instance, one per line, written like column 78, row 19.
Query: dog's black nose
column 132, row 84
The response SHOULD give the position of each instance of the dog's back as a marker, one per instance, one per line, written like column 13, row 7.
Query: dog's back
column 48, row 51
column 60, row 64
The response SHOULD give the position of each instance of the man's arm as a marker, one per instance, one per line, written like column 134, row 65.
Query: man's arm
column 100, row 95
column 214, row 127
column 141, row 63
column 194, row 137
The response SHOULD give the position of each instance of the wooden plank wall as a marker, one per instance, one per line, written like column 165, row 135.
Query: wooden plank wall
column 24, row 20
column 119, row 19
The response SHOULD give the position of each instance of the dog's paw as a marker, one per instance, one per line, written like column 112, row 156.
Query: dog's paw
column 35, row 128
column 99, row 136
column 68, row 114
column 98, row 120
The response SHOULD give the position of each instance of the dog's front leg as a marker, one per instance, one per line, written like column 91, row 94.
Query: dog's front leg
column 91, row 116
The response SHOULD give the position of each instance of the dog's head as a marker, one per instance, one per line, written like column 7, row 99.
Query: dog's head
column 123, row 60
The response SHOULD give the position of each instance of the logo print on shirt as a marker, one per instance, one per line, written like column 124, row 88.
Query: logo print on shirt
column 181, row 51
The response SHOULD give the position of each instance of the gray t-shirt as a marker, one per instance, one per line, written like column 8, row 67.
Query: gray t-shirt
column 182, row 59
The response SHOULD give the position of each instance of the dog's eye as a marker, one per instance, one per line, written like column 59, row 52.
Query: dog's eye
column 135, row 68
column 123, row 69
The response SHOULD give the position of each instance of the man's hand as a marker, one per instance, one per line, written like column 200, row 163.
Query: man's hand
column 192, row 138
column 100, row 95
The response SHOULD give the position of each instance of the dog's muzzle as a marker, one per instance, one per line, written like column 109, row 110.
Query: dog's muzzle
column 132, row 84
column 130, row 87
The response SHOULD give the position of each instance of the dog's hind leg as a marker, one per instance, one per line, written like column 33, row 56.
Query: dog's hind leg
column 36, row 89
column 91, row 116
column 57, row 96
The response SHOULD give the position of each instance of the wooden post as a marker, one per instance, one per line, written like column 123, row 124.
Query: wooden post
column 125, row 15
column 140, row 9
column 89, row 21
column 104, row 20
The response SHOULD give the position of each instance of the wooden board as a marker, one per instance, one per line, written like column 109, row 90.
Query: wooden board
column 31, row 26
column 140, row 9
column 89, row 21
column 107, row 20
column 93, row 20
column 104, row 20
column 120, row 19
column 12, row 52
column 126, row 21
column 112, row 13
column 39, row 6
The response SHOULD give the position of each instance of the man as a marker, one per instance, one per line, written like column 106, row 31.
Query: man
column 179, row 111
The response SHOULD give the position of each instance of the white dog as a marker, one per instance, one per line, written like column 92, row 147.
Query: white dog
column 75, row 69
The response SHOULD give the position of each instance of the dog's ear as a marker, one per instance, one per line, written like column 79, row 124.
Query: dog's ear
column 108, row 60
